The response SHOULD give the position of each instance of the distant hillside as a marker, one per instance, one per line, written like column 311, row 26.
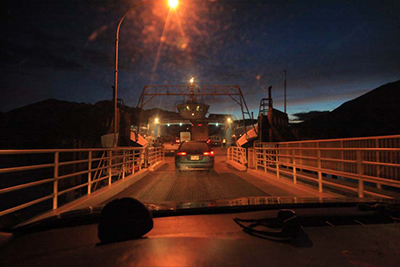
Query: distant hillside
column 62, row 124
column 374, row 113
column 52, row 123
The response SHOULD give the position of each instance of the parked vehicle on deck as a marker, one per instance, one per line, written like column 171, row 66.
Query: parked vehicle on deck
column 170, row 144
column 215, row 140
column 194, row 155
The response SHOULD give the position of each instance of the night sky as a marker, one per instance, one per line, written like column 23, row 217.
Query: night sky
column 333, row 51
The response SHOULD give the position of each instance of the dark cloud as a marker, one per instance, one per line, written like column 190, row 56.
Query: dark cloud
column 333, row 51
column 24, row 57
column 303, row 116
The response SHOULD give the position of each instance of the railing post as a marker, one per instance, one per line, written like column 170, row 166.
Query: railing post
column 378, row 167
column 135, row 159
column 123, row 164
column 146, row 157
column 89, row 190
column 141, row 154
column 277, row 163
column 360, row 173
column 319, row 170
column 294, row 167
column 55, row 184
column 109, row 167
column 131, row 158
column 341, row 155
column 264, row 151
column 255, row 158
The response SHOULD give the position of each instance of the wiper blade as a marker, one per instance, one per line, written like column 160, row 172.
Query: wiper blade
column 390, row 210
column 282, row 228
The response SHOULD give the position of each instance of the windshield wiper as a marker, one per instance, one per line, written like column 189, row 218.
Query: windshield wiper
column 288, row 226
column 282, row 228
column 390, row 210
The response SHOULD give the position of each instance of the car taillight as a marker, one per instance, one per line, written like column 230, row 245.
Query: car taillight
column 211, row 153
column 181, row 154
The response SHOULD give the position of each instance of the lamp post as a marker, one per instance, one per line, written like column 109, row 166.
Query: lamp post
column 172, row 4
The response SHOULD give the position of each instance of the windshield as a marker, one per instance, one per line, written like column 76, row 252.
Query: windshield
column 293, row 101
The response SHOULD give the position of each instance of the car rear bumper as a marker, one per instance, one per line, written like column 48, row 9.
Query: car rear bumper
column 197, row 166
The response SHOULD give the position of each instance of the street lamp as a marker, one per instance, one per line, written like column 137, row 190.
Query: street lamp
column 229, row 120
column 171, row 4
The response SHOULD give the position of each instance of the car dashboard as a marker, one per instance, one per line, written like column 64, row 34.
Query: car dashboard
column 211, row 240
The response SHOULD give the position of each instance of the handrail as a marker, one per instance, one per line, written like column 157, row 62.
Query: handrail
column 69, row 171
column 378, row 165
column 155, row 154
column 344, row 139
column 237, row 154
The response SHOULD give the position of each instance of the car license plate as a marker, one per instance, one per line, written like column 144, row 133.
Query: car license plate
column 172, row 150
column 194, row 157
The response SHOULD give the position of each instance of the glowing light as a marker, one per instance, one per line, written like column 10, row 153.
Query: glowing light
column 156, row 120
column 168, row 124
column 217, row 124
column 229, row 120
column 211, row 153
column 191, row 80
column 192, row 114
column 180, row 124
column 173, row 3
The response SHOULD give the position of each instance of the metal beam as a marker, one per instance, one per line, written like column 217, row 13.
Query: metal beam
column 197, row 90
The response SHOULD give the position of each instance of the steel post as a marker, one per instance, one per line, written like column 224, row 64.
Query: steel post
column 55, row 184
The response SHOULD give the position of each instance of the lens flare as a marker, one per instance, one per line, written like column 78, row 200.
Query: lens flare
column 173, row 3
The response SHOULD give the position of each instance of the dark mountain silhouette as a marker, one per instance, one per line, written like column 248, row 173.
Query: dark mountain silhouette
column 61, row 124
column 372, row 114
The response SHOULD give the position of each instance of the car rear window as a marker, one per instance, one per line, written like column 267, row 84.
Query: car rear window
column 194, row 147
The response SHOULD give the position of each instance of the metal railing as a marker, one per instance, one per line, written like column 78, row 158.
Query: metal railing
column 336, row 162
column 155, row 154
column 38, row 180
column 237, row 154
